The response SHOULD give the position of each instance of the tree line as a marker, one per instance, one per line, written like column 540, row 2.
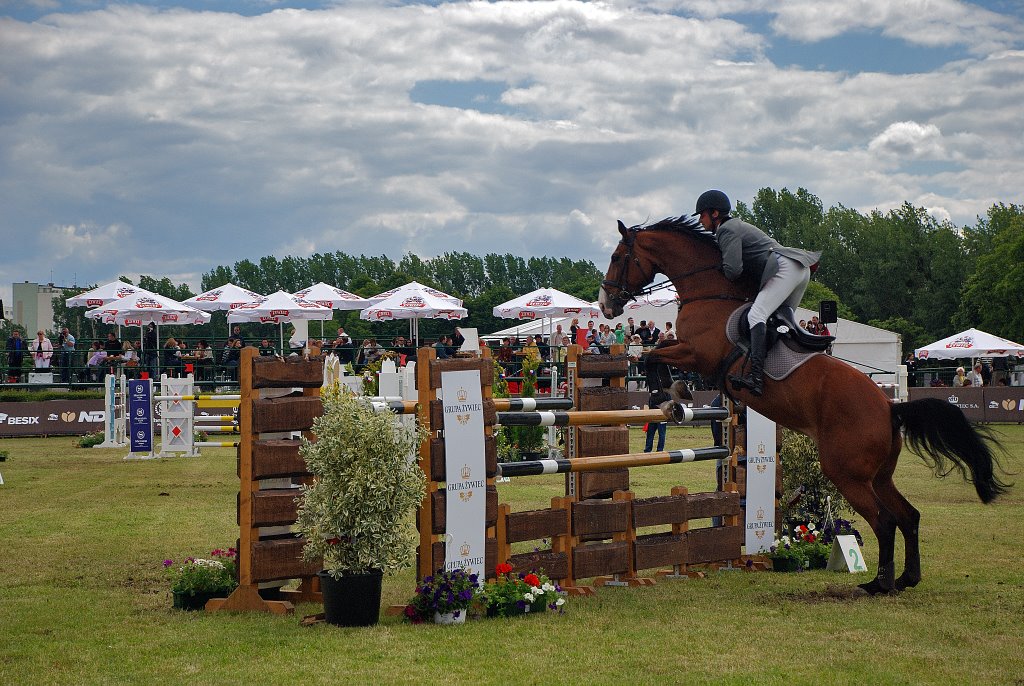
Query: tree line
column 901, row 270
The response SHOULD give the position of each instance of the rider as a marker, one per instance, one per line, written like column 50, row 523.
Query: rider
column 783, row 272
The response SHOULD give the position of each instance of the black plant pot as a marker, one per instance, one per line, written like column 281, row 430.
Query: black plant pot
column 353, row 599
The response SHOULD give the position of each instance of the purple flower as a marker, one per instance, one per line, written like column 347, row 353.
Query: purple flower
column 168, row 563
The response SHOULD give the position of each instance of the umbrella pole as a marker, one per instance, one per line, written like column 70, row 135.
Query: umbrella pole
column 280, row 326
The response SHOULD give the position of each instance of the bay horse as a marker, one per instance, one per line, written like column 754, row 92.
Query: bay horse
column 856, row 428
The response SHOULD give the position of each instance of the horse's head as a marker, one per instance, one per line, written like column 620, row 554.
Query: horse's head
column 630, row 270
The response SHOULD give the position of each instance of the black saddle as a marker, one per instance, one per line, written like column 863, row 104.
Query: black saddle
column 782, row 326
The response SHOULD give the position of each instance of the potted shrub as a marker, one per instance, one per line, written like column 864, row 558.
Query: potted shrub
column 197, row 580
column 356, row 515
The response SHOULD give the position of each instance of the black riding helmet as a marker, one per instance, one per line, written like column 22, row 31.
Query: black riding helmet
column 713, row 200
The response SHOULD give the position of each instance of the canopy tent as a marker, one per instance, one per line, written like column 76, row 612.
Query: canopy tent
column 278, row 308
column 226, row 297
column 101, row 295
column 335, row 298
column 414, row 302
column 143, row 308
column 970, row 343
column 659, row 298
column 546, row 302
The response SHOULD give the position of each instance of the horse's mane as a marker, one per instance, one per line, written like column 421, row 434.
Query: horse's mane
column 685, row 224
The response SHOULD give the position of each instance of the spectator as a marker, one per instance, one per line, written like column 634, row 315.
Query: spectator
column 655, row 333
column 592, row 347
column 961, row 378
column 976, row 378
column 456, row 340
column 42, row 351
column 204, row 361
column 150, row 348
column 441, row 347
column 67, row 354
column 172, row 357
column 1000, row 370
column 644, row 332
column 630, row 328
column 130, row 358
column 574, row 329
column 266, row 349
column 236, row 333
column 506, row 356
column 231, row 358
column 369, row 352
column 15, row 356
column 344, row 349
column 113, row 346
column 97, row 358
column 652, row 428
column 986, row 373
column 531, row 351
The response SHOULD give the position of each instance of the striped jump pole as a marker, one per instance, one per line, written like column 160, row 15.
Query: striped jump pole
column 175, row 398
column 608, row 417
column 216, row 444
column 396, row 406
column 217, row 429
column 214, row 418
column 532, row 404
column 595, row 464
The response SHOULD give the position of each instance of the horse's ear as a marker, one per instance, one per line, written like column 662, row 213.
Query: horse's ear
column 622, row 228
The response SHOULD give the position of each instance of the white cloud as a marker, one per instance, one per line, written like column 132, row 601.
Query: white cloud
column 218, row 138
column 909, row 139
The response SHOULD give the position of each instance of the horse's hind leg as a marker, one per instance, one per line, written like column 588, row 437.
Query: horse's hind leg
column 861, row 496
column 907, row 519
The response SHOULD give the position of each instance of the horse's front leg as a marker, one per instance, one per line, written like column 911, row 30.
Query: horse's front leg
column 666, row 393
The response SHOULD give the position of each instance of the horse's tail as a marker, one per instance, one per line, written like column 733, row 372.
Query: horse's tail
column 939, row 431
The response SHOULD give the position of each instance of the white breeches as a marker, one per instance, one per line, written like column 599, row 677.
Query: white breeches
column 786, row 287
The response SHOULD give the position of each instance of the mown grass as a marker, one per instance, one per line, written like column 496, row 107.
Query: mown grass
column 83, row 598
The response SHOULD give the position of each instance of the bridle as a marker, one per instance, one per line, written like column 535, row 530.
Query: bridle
column 623, row 296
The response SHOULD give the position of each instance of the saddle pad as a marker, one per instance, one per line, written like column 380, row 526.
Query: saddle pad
column 781, row 360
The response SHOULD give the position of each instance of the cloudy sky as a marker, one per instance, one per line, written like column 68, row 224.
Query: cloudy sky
column 168, row 138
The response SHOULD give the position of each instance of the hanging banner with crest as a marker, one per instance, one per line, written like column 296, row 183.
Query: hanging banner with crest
column 466, row 478
column 760, row 524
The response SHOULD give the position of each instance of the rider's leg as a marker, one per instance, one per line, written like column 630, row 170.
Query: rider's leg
column 787, row 284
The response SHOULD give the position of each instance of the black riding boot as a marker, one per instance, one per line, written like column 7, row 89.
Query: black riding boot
column 754, row 381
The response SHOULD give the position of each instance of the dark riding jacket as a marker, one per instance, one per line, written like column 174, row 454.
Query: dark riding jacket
column 746, row 249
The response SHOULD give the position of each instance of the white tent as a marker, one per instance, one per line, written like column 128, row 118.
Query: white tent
column 970, row 343
column 546, row 302
column 330, row 296
column 101, row 295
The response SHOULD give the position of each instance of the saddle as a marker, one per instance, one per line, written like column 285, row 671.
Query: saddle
column 782, row 325
column 788, row 345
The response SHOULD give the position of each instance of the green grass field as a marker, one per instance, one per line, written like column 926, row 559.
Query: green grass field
column 83, row 599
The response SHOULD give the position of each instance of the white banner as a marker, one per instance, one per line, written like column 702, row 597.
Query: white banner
column 465, row 477
column 760, row 524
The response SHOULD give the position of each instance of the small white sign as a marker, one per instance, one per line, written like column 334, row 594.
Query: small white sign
column 846, row 555
column 466, row 478
column 760, row 524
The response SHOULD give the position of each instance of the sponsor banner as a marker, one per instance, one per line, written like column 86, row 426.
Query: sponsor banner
column 980, row 403
column 760, row 524
column 51, row 418
column 466, row 478
column 140, row 416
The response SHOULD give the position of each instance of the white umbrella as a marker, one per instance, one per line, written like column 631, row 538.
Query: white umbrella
column 414, row 301
column 545, row 302
column 144, row 307
column 970, row 343
column 226, row 297
column 278, row 308
column 659, row 298
column 335, row 298
column 415, row 288
column 107, row 293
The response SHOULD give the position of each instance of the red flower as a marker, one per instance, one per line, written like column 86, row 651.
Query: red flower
column 333, row 541
column 503, row 568
column 532, row 579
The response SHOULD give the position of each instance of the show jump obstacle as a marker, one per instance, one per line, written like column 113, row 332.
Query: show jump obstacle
column 593, row 530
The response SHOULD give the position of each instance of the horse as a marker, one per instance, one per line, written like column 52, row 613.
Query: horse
column 856, row 428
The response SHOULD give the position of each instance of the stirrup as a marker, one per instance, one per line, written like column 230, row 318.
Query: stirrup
column 748, row 382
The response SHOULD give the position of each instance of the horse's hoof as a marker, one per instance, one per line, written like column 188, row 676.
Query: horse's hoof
column 670, row 409
column 680, row 391
column 907, row 582
column 873, row 587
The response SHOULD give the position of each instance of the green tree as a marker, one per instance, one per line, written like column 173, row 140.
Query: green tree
column 992, row 294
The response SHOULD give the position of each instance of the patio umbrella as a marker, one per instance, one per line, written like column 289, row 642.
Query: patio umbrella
column 330, row 296
column 414, row 302
column 226, row 297
column 659, row 298
column 970, row 343
column 101, row 295
column 546, row 303
column 278, row 308
column 143, row 308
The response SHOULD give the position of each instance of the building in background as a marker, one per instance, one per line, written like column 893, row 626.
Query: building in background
column 32, row 305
